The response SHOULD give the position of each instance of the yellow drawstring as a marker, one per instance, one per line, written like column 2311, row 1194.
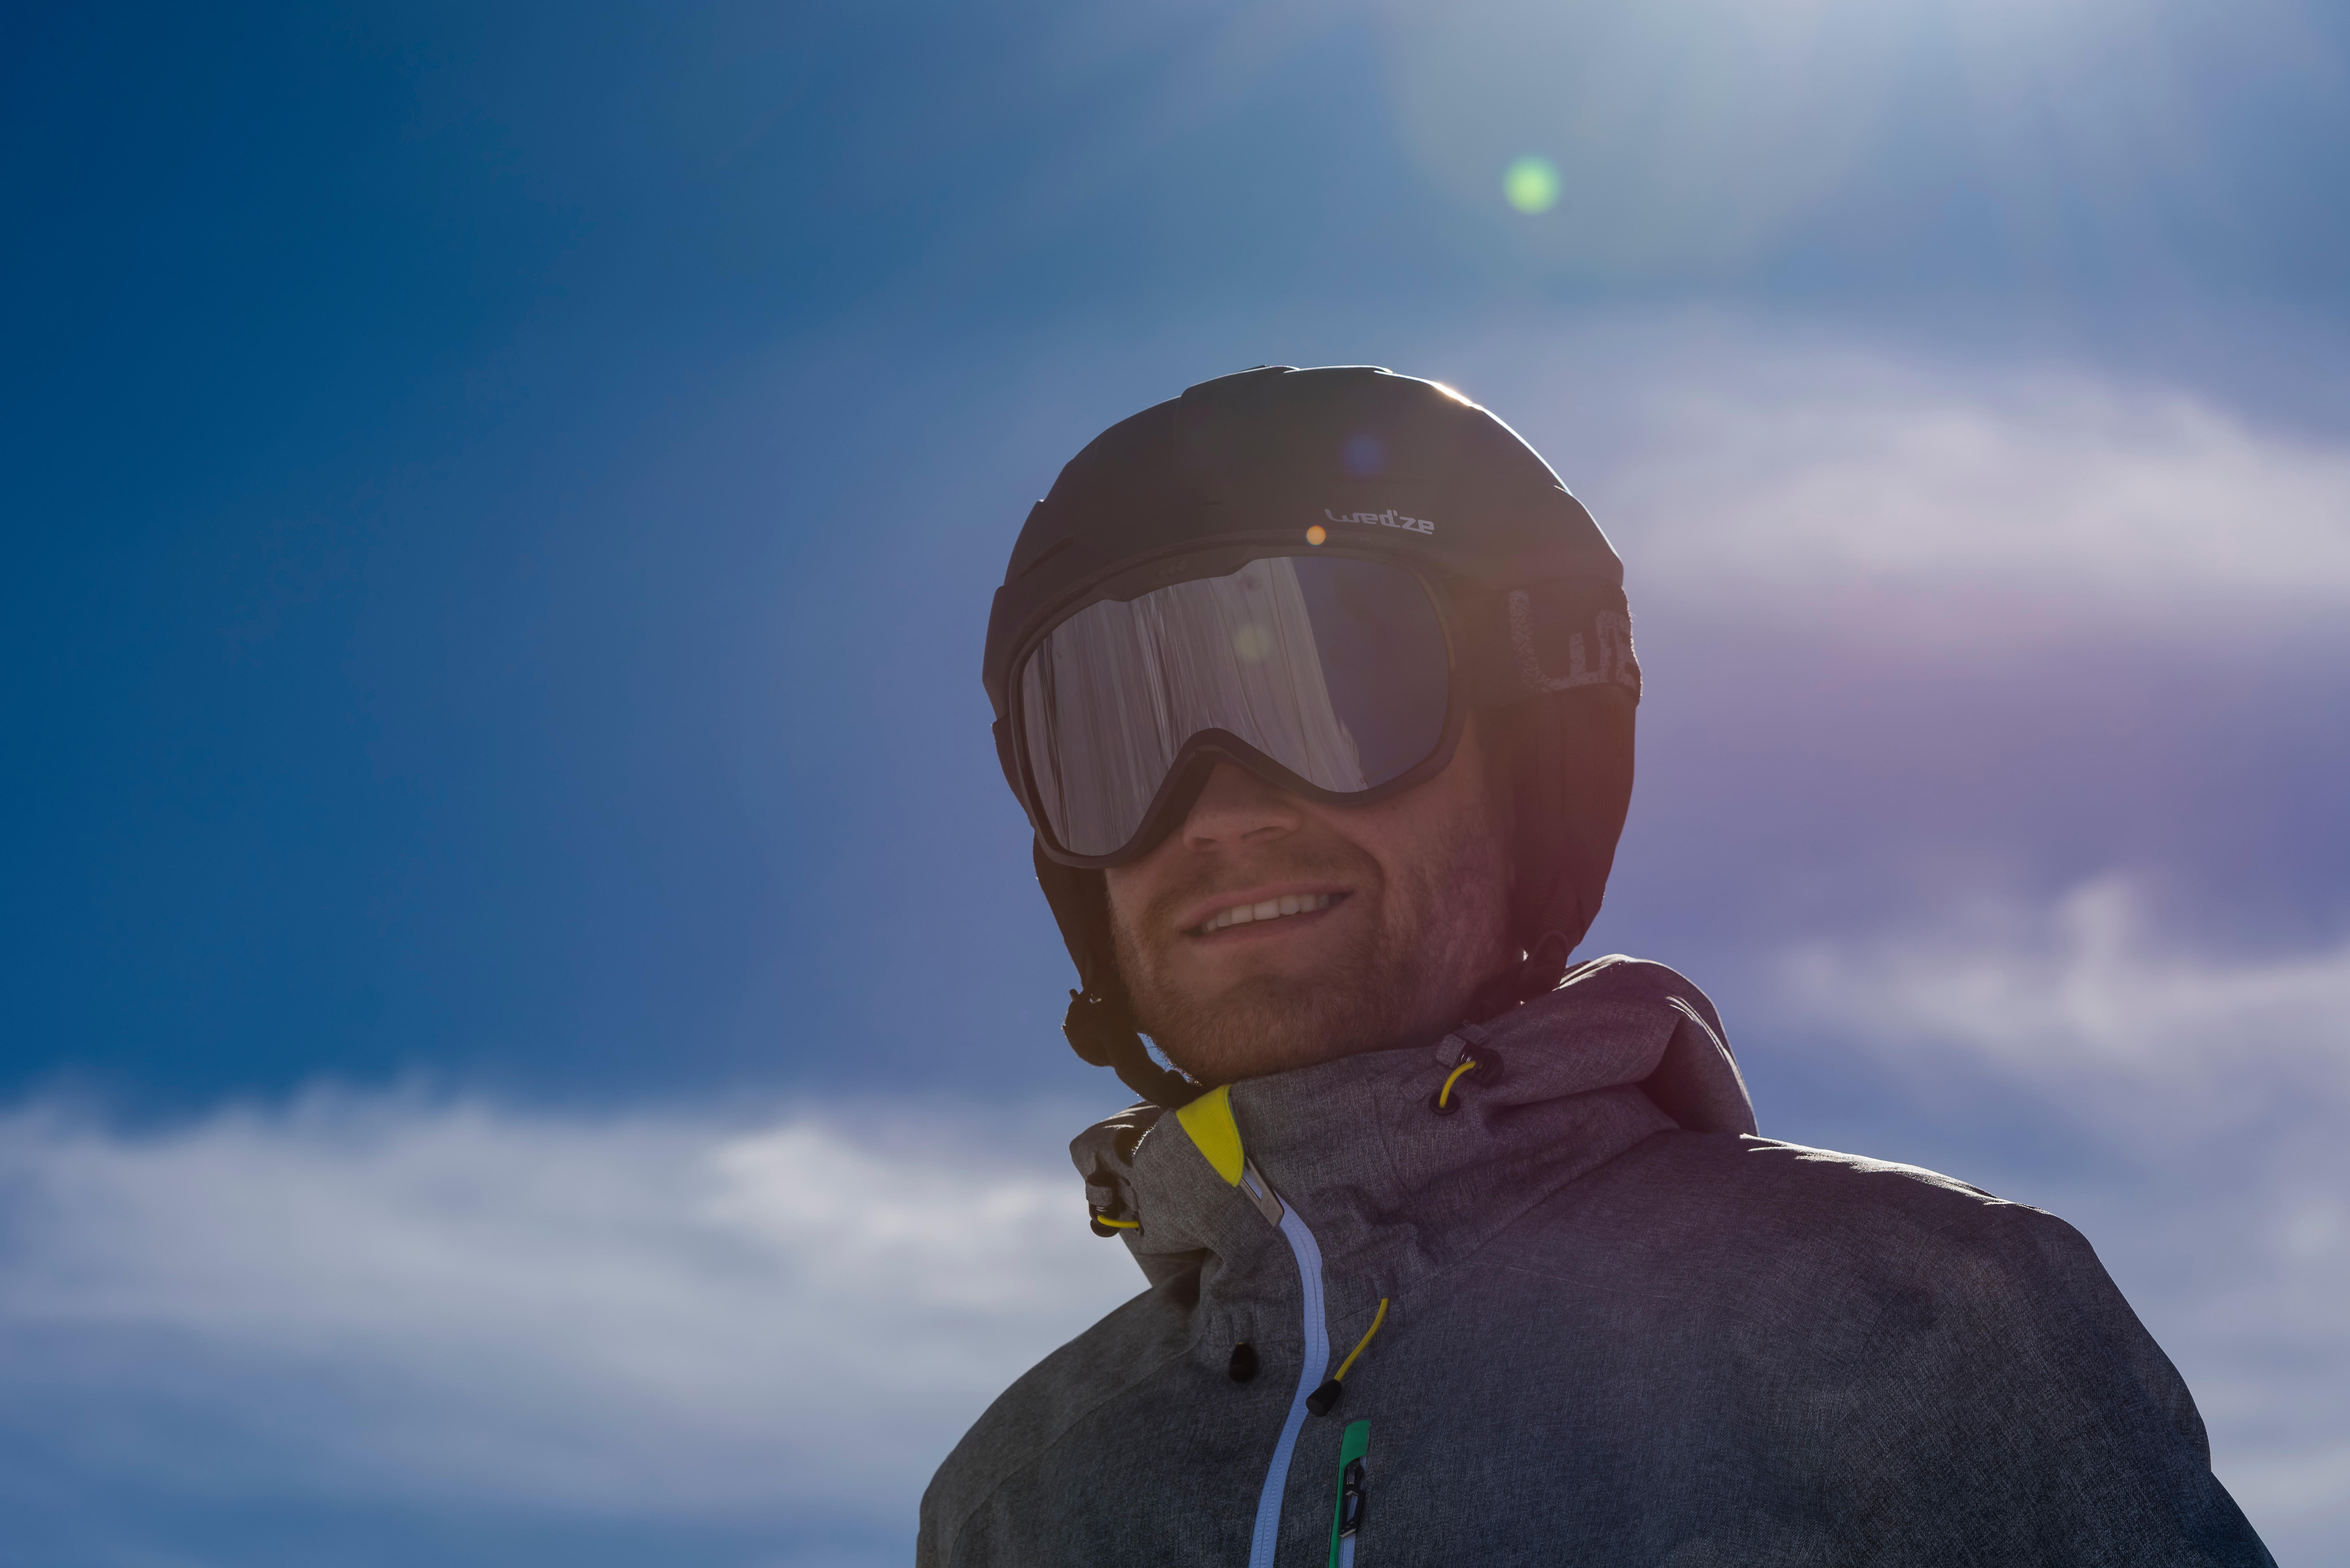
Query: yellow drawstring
column 1468, row 1064
column 1379, row 1319
column 1323, row 1400
column 1117, row 1224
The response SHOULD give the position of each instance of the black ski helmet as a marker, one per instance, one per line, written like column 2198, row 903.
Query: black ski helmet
column 1275, row 461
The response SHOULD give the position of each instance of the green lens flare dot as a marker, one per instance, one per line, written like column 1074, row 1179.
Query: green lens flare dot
column 1531, row 184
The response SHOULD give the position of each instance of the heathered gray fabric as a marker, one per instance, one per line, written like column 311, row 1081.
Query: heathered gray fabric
column 1616, row 1335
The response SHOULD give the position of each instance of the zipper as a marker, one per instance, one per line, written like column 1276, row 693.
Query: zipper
column 1354, row 1458
column 1308, row 1253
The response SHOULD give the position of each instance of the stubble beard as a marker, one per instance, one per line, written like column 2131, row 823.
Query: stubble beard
column 1414, row 963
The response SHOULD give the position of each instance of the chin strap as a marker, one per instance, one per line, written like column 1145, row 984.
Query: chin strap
column 1101, row 1031
column 1536, row 974
column 1546, row 966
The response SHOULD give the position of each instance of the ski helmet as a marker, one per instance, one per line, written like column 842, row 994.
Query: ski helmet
column 1313, row 575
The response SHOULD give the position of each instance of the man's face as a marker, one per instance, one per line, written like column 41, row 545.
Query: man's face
column 1398, row 911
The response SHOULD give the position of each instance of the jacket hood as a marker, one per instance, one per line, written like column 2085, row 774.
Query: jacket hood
column 1622, row 1050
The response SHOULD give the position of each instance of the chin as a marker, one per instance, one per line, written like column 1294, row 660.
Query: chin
column 1265, row 1024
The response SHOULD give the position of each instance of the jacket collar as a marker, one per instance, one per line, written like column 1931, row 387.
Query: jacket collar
column 1393, row 1190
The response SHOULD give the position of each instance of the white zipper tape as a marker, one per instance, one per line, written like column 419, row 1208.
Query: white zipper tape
column 1310, row 1373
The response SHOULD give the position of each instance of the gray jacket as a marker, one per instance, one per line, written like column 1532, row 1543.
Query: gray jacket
column 1619, row 1329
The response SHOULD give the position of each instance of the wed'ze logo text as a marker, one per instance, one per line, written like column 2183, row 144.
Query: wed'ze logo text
column 1390, row 518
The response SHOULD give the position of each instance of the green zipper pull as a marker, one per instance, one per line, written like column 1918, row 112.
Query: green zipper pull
column 1354, row 1451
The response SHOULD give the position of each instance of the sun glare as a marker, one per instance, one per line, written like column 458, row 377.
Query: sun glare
column 1531, row 184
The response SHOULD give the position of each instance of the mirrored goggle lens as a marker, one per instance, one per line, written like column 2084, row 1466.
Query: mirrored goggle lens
column 1335, row 669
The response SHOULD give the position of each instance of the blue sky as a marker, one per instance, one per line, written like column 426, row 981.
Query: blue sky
column 503, row 507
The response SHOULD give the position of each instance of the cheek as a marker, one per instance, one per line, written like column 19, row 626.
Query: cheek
column 1451, row 813
column 1137, row 895
column 1448, row 855
column 1125, row 895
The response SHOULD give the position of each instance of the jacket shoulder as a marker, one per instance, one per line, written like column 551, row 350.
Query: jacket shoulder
column 1027, row 1419
column 1868, row 1262
column 1953, row 1374
column 1819, row 1219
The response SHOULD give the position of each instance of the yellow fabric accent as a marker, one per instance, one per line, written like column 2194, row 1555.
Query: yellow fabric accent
column 1340, row 1375
column 1209, row 1120
column 1445, row 1093
column 1117, row 1224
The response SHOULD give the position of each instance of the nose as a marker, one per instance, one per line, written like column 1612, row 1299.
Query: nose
column 1236, row 810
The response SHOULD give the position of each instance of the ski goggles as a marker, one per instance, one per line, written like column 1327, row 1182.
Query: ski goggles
column 1328, row 676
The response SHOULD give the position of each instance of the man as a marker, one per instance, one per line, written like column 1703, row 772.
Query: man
column 1318, row 688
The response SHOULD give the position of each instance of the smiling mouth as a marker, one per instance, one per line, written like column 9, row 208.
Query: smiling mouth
column 1266, row 910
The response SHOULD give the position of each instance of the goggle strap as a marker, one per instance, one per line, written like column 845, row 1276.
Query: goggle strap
column 1100, row 1032
column 1514, row 643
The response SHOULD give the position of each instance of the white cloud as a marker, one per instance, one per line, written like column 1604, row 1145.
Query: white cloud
column 388, row 1298
column 1802, row 478
column 2054, row 493
column 2087, row 989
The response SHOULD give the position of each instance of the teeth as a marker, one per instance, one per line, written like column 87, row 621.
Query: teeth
column 1269, row 909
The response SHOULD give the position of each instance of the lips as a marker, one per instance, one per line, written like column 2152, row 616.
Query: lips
column 1264, row 908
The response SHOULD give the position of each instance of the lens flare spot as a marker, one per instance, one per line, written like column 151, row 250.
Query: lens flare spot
column 1316, row 534
column 1252, row 643
column 1531, row 184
